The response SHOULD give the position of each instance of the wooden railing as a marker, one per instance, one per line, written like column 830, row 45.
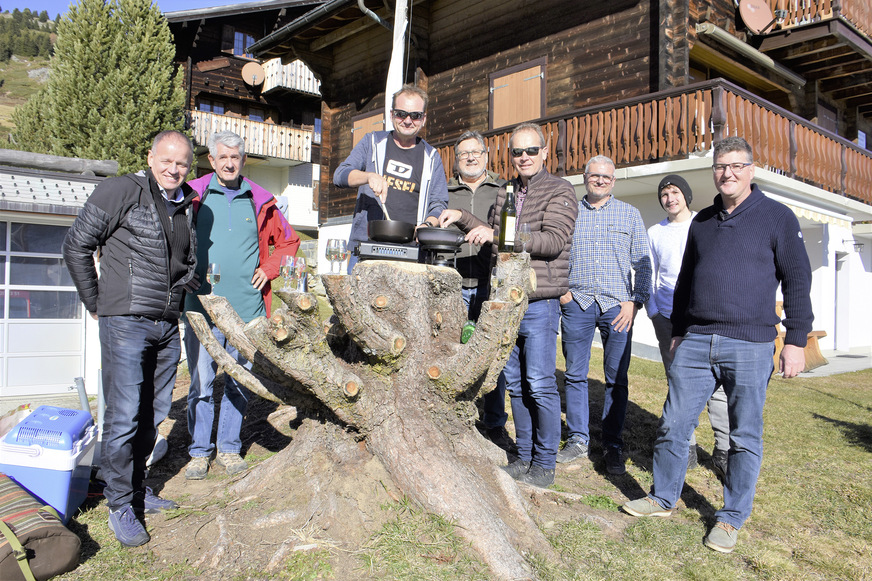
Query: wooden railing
column 264, row 139
column 680, row 122
column 800, row 12
column 294, row 75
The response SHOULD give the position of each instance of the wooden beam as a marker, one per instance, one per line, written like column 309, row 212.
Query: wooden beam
column 57, row 163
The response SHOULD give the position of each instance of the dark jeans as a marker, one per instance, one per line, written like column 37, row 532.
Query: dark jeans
column 140, row 357
column 578, row 327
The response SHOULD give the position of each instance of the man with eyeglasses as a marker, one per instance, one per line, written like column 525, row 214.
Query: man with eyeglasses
column 609, row 281
column 667, row 240
column 723, row 326
column 398, row 167
column 548, row 204
column 475, row 189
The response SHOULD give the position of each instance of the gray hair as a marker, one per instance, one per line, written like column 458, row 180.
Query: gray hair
column 411, row 90
column 174, row 134
column 528, row 127
column 730, row 144
column 598, row 159
column 227, row 139
column 470, row 135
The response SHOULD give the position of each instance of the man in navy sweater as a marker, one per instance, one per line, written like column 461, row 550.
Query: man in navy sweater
column 723, row 326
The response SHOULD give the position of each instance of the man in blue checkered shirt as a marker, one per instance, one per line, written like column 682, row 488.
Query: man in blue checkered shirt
column 609, row 281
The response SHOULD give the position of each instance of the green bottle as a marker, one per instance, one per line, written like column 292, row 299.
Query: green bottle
column 467, row 331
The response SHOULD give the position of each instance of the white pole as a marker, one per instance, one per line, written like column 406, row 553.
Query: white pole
column 395, row 69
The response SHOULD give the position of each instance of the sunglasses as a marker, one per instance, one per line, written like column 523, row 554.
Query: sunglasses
column 413, row 115
column 519, row 151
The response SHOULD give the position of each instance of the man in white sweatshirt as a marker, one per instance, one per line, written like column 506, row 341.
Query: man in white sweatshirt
column 667, row 240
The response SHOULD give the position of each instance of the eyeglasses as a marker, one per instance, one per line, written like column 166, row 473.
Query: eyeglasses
column 519, row 151
column 413, row 115
column 737, row 167
column 600, row 178
column 476, row 153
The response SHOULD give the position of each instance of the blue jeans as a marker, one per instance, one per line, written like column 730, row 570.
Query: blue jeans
column 201, row 404
column 494, row 401
column 532, row 385
column 139, row 358
column 577, row 330
column 701, row 364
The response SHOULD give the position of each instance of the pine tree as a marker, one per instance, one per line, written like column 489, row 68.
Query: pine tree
column 112, row 85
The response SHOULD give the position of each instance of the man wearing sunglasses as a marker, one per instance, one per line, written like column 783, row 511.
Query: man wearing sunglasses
column 398, row 167
column 723, row 326
column 609, row 281
column 548, row 204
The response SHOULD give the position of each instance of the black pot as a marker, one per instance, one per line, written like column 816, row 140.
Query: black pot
column 390, row 231
column 441, row 237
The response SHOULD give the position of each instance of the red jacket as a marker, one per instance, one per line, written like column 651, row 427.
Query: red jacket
column 272, row 230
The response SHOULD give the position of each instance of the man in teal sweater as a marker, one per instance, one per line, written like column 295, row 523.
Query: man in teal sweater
column 236, row 223
column 723, row 326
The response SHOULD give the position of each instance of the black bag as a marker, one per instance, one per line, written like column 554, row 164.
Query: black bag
column 34, row 544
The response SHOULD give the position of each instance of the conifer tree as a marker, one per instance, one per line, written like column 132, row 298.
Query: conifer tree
column 112, row 85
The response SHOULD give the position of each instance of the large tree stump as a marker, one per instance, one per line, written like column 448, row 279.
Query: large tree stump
column 389, row 368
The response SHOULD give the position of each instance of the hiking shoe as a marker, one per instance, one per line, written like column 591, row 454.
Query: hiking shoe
column 154, row 504
column 692, row 460
column 127, row 528
column 501, row 438
column 197, row 468
column 719, row 464
column 573, row 449
column 615, row 461
column 517, row 468
column 232, row 463
column 538, row 476
column 722, row 538
column 646, row 507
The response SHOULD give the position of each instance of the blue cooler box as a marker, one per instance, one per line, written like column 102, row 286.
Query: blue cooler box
column 49, row 453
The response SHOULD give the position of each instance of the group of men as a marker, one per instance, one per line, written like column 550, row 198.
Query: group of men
column 592, row 257
column 596, row 267
column 154, row 236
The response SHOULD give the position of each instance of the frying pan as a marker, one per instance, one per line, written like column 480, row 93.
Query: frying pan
column 390, row 231
column 431, row 236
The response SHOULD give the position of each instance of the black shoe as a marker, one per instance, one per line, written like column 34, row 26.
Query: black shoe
column 692, row 460
column 572, row 450
column 719, row 464
column 501, row 438
column 517, row 468
column 615, row 462
column 538, row 476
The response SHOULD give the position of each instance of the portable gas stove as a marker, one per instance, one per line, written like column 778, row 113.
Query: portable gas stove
column 386, row 251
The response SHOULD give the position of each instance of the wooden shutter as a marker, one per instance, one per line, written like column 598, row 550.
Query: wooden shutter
column 364, row 125
column 517, row 94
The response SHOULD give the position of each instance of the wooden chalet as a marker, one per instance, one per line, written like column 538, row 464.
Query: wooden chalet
column 650, row 84
column 274, row 106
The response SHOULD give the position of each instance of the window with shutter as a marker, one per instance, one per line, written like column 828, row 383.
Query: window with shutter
column 517, row 94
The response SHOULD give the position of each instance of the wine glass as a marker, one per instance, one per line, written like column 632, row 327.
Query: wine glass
column 341, row 253
column 287, row 271
column 524, row 236
column 332, row 252
column 213, row 274
column 299, row 281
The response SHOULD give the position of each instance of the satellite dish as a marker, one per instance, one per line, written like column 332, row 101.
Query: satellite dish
column 757, row 15
column 252, row 74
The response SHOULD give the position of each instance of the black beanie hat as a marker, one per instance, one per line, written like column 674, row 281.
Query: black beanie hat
column 680, row 183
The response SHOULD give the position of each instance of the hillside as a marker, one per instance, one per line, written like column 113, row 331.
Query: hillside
column 19, row 79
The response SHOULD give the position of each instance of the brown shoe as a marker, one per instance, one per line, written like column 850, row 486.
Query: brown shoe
column 232, row 463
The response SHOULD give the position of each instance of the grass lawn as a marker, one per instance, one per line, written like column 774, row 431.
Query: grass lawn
column 812, row 517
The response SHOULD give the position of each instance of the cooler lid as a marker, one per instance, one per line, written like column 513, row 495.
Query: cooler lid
column 51, row 427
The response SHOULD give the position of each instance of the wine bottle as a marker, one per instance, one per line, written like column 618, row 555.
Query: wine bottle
column 508, row 218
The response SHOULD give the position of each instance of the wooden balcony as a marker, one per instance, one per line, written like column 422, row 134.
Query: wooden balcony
column 294, row 76
column 801, row 12
column 265, row 139
column 684, row 121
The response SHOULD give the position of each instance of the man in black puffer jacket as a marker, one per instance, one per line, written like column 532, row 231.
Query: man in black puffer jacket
column 141, row 225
